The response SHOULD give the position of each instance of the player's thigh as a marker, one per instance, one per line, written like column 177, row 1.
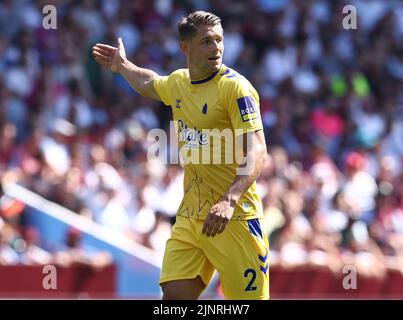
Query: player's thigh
column 183, row 259
column 241, row 256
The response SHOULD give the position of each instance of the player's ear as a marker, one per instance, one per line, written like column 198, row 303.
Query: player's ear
column 185, row 47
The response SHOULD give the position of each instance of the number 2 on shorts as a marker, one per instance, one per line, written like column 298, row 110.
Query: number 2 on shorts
column 250, row 286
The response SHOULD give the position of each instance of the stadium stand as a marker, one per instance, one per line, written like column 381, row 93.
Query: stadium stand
column 331, row 103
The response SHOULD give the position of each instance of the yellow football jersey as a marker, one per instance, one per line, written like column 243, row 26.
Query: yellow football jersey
column 208, row 115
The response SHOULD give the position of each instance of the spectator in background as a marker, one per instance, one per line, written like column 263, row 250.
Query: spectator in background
column 8, row 255
column 360, row 187
column 33, row 254
column 75, row 253
column 11, row 242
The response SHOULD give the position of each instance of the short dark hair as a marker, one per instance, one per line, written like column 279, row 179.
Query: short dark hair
column 187, row 26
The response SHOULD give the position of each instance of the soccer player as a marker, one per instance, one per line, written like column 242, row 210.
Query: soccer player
column 218, row 225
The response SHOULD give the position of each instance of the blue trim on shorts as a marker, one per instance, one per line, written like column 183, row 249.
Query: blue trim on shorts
column 263, row 258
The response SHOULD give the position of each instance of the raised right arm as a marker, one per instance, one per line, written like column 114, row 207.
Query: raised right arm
column 140, row 79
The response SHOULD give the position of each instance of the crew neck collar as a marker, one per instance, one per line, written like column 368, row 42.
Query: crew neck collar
column 210, row 77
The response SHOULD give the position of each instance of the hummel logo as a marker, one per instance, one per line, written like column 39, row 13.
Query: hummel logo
column 263, row 258
column 178, row 101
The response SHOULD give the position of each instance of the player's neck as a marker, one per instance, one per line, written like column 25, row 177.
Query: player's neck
column 197, row 74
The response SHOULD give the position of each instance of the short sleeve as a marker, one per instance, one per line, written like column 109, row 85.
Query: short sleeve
column 162, row 88
column 242, row 103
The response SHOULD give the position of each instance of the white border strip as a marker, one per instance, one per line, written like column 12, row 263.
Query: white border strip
column 83, row 224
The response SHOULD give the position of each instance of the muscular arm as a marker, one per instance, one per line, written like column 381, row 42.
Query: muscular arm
column 255, row 155
column 140, row 79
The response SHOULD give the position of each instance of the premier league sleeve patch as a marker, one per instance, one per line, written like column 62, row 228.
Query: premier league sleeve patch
column 248, row 108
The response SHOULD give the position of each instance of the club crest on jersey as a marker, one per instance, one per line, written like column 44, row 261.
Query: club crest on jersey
column 178, row 101
column 193, row 138
column 247, row 108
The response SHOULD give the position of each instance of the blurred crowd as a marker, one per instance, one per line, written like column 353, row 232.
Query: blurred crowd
column 331, row 104
column 21, row 243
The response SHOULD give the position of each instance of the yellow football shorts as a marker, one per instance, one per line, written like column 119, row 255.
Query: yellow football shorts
column 240, row 255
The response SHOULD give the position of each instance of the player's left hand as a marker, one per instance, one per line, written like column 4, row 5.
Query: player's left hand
column 217, row 219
